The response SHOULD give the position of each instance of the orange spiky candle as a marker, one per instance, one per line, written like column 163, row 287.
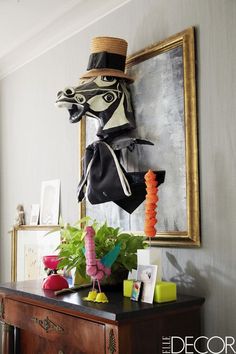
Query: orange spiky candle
column 151, row 204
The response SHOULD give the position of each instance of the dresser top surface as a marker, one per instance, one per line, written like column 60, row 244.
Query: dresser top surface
column 118, row 308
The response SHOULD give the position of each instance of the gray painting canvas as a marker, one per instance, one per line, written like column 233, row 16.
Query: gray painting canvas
column 158, row 100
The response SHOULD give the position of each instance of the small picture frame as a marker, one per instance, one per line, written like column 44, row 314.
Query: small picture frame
column 49, row 205
column 136, row 290
column 148, row 275
column 34, row 215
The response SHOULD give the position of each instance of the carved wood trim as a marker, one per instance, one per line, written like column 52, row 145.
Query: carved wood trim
column 48, row 325
column 112, row 342
column 2, row 309
column 7, row 339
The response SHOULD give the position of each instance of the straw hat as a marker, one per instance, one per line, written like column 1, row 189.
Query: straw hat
column 107, row 58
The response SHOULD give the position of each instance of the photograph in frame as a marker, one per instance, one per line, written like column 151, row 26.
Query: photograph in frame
column 34, row 214
column 49, row 202
column 147, row 274
column 136, row 290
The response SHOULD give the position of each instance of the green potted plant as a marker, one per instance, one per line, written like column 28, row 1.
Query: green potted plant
column 71, row 250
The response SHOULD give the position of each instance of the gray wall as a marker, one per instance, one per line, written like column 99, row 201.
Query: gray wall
column 38, row 143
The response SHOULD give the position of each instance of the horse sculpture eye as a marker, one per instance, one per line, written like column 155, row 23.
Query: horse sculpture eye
column 109, row 97
column 107, row 78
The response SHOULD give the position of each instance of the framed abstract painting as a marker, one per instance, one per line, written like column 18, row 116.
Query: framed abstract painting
column 164, row 101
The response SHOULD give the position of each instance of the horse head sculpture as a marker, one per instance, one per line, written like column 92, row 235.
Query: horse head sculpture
column 104, row 98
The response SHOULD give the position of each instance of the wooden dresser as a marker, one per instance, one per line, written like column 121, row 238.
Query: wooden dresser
column 35, row 321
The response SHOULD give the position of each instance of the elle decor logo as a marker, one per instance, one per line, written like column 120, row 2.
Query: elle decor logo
column 192, row 345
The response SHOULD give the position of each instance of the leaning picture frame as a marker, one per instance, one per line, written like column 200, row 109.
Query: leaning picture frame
column 50, row 202
column 164, row 100
column 28, row 245
column 147, row 274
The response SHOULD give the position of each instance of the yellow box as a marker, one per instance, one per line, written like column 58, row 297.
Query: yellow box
column 127, row 287
column 165, row 291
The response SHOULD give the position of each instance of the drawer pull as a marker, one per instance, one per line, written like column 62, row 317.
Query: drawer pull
column 48, row 325
column 60, row 352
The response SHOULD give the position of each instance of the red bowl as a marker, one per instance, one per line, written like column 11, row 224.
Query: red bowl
column 51, row 262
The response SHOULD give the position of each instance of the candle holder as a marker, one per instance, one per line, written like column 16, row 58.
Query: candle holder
column 54, row 281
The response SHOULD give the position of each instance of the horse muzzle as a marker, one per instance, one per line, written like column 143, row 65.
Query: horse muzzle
column 76, row 112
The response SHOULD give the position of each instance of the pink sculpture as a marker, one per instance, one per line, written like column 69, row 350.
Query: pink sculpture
column 97, row 269
column 54, row 281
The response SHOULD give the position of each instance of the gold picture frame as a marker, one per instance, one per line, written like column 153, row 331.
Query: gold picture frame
column 27, row 237
column 188, row 236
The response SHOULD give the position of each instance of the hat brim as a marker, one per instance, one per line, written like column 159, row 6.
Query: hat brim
column 107, row 72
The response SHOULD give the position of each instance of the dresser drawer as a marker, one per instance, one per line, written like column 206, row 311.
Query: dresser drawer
column 64, row 330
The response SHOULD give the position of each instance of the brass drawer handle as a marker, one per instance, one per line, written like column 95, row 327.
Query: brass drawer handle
column 60, row 352
column 48, row 325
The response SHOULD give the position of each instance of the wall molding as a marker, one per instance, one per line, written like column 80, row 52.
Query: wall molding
column 69, row 24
